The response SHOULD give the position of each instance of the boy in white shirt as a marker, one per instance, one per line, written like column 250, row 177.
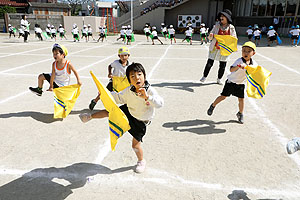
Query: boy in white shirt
column 139, row 103
column 38, row 31
column 154, row 35
column 128, row 33
column 90, row 32
column 235, row 80
column 272, row 35
column 11, row 31
column 249, row 33
column 257, row 35
column 101, row 34
column 295, row 35
column 75, row 32
column 122, row 34
column 171, row 32
column 53, row 32
column 84, row 32
column 203, row 33
column 147, row 31
column 61, row 31
column 48, row 30
column 188, row 34
column 164, row 30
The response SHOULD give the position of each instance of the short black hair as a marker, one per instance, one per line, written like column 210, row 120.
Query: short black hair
column 58, row 49
column 136, row 67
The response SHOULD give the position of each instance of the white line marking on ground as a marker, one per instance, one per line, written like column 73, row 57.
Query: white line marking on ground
column 13, row 54
column 13, row 97
column 279, row 135
column 282, row 65
column 158, row 62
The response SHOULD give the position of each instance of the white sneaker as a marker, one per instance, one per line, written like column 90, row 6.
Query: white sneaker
column 85, row 117
column 293, row 145
column 203, row 79
column 140, row 167
column 219, row 81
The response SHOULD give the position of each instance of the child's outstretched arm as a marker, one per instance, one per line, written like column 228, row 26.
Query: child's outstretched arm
column 52, row 78
column 152, row 97
column 76, row 74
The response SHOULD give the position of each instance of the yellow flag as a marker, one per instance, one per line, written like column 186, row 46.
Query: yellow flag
column 118, row 122
column 64, row 100
column 120, row 83
column 258, row 79
column 227, row 43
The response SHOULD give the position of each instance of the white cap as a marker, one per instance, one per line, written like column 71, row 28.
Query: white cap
column 162, row 23
column 171, row 26
column 52, row 26
column 104, row 26
column 48, row 25
column 128, row 26
column 89, row 25
column 153, row 27
column 202, row 24
column 84, row 26
column 9, row 24
column 60, row 25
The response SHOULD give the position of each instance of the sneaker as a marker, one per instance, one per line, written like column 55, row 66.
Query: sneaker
column 210, row 110
column 36, row 91
column 219, row 81
column 140, row 166
column 92, row 104
column 85, row 117
column 240, row 117
column 203, row 79
column 293, row 145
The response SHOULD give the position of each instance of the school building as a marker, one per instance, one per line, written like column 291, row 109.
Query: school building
column 284, row 13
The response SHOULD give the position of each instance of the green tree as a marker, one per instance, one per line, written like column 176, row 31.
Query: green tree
column 7, row 9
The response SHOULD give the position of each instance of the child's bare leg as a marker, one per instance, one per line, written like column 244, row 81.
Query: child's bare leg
column 100, row 114
column 97, row 98
column 218, row 100
column 241, row 105
column 136, row 146
column 174, row 40
column 41, row 79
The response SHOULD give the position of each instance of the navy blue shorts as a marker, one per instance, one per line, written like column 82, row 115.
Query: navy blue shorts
column 233, row 89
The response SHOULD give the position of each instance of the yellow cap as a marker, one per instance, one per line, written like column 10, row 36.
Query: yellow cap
column 123, row 51
column 250, row 44
column 65, row 50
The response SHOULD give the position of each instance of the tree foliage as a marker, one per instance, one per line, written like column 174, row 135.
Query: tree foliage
column 7, row 9
column 76, row 5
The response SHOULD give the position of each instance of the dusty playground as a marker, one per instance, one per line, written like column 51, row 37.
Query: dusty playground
column 189, row 154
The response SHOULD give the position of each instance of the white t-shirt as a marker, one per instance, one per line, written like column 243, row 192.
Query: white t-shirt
column 53, row 30
column 118, row 69
column 84, row 30
column 61, row 30
column 38, row 30
column 271, row 33
column 128, row 32
column 203, row 30
column 189, row 32
column 154, row 33
column 137, row 106
column 249, row 32
column 171, row 31
column 25, row 25
column 163, row 29
column 295, row 32
column 48, row 30
column 102, row 30
column 75, row 31
column 90, row 30
column 147, row 30
column 257, row 33
column 239, row 76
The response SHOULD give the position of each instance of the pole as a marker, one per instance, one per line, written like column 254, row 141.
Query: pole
column 131, row 10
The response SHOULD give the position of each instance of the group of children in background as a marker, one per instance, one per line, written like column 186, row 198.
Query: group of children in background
column 255, row 34
column 126, row 34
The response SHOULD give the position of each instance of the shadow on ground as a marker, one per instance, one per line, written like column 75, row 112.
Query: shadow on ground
column 38, row 116
column 39, row 183
column 205, row 127
column 187, row 86
column 242, row 195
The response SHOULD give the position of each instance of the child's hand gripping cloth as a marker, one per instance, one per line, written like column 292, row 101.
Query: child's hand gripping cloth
column 120, row 83
column 64, row 100
column 118, row 122
column 227, row 43
column 257, row 81
column 279, row 40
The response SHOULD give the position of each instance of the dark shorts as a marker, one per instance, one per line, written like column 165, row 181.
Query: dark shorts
column 165, row 33
column 138, row 128
column 203, row 35
column 75, row 36
column 250, row 37
column 101, row 35
column 84, row 35
column 48, row 77
column 90, row 34
column 61, row 34
column 53, row 34
column 295, row 37
column 122, row 36
column 233, row 89
column 172, row 35
column 110, row 85
column 188, row 38
column 273, row 38
column 257, row 37
column 155, row 37
column 128, row 37
column 148, row 34
column 49, row 34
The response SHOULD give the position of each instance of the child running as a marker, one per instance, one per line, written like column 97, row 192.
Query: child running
column 61, row 71
column 90, row 32
column 295, row 35
column 84, row 32
column 147, row 32
column 75, row 32
column 115, row 69
column 38, row 31
column 101, row 34
column 250, row 33
column 171, row 32
column 257, row 35
column 122, row 34
column 188, row 34
column 48, row 30
column 154, row 35
column 128, row 34
column 53, row 32
column 203, row 33
column 61, row 31
column 139, row 102
column 164, row 30
column 11, row 31
column 223, row 27
column 272, row 36
column 234, row 84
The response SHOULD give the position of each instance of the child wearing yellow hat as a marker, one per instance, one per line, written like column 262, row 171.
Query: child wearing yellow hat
column 61, row 71
column 235, row 83
column 116, row 71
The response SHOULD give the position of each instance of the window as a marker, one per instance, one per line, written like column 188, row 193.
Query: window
column 271, row 8
column 262, row 7
column 280, row 8
column 291, row 7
